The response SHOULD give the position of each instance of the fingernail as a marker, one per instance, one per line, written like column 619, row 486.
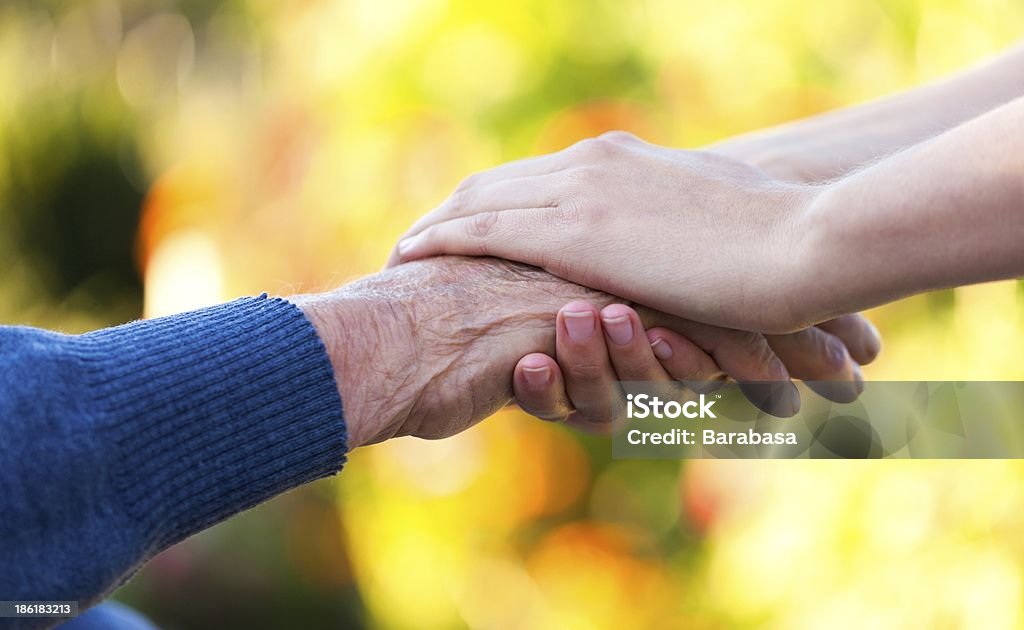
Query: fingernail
column 579, row 324
column 537, row 377
column 619, row 329
column 662, row 349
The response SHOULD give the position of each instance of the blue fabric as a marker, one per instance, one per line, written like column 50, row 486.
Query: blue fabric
column 108, row 616
column 119, row 443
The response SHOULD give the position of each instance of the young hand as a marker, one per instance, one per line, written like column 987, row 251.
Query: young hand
column 692, row 233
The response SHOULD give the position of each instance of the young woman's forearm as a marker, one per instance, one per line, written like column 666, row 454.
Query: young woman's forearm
column 832, row 144
column 712, row 239
column 944, row 213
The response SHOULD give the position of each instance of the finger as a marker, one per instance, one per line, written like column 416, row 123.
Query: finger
column 628, row 348
column 525, row 167
column 858, row 334
column 583, row 356
column 540, row 389
column 510, row 234
column 538, row 191
column 478, row 187
column 498, row 188
column 822, row 360
column 744, row 356
column 684, row 361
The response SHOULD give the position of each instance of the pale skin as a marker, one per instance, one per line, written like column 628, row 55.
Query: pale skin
column 709, row 238
column 831, row 215
column 831, row 145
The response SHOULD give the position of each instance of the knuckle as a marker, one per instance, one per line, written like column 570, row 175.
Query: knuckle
column 598, row 147
column 578, row 149
column 755, row 350
column 605, row 147
column 618, row 135
column 481, row 225
column 585, row 371
column 468, row 182
column 750, row 342
column 582, row 146
column 833, row 353
column 430, row 233
column 569, row 212
column 455, row 202
column 579, row 201
column 460, row 198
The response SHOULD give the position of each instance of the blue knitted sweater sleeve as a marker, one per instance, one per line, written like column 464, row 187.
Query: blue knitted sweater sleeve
column 118, row 443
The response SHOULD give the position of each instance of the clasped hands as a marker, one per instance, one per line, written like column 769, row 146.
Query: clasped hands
column 647, row 264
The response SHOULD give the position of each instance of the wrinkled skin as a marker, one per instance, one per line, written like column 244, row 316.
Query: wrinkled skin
column 429, row 348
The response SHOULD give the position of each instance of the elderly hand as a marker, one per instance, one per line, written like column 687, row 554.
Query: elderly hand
column 428, row 349
column 692, row 233
column 597, row 347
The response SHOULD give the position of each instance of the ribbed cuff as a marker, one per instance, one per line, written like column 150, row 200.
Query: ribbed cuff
column 214, row 411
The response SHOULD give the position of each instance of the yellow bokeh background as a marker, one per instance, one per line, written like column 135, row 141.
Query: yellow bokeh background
column 284, row 146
